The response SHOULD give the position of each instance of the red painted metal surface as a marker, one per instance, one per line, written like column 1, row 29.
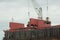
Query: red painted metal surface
column 16, row 25
column 33, row 21
column 41, row 23
column 47, row 25
column 11, row 30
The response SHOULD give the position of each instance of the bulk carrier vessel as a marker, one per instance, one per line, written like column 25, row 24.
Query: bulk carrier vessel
column 37, row 29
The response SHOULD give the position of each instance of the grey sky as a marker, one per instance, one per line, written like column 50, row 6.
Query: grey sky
column 18, row 10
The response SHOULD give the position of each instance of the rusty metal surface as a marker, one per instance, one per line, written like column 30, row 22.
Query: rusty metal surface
column 33, row 34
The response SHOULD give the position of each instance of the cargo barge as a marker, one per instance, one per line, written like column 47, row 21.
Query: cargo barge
column 37, row 29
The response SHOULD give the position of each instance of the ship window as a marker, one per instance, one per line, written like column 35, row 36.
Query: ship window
column 32, row 25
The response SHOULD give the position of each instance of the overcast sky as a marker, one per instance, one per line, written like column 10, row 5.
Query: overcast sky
column 18, row 9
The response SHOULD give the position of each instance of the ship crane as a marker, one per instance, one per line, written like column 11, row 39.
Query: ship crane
column 38, row 9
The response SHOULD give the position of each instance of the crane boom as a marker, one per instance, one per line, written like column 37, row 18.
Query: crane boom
column 38, row 9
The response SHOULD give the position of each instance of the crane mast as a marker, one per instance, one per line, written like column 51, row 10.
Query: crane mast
column 38, row 9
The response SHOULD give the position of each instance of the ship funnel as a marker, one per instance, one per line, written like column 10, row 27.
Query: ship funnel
column 47, row 18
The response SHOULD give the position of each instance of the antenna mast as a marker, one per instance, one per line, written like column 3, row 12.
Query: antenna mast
column 47, row 18
column 47, row 8
column 28, row 11
column 12, row 19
